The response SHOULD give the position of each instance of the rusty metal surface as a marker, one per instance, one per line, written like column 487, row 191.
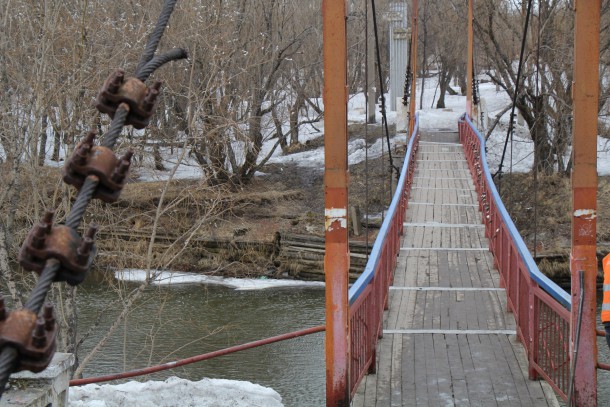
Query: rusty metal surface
column 336, row 260
column 32, row 337
column 45, row 241
column 141, row 99
column 100, row 162
column 584, row 196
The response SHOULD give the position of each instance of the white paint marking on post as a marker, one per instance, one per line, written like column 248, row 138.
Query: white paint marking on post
column 333, row 215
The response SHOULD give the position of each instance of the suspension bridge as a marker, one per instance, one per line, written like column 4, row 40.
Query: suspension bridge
column 451, row 309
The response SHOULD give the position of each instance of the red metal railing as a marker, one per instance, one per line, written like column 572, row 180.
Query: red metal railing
column 541, row 308
column 368, row 295
column 198, row 358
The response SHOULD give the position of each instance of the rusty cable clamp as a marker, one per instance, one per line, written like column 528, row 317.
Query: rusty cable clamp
column 89, row 160
column 74, row 253
column 131, row 92
column 32, row 337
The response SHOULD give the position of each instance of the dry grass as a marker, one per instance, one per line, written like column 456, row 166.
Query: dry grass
column 547, row 230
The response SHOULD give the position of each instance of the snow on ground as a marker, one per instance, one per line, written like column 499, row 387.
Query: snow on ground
column 520, row 156
column 175, row 392
column 175, row 277
column 190, row 169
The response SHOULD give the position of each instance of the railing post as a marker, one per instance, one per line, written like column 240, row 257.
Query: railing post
column 336, row 260
column 372, row 325
column 534, row 326
column 585, row 91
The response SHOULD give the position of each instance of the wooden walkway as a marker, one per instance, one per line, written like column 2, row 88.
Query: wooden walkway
column 447, row 337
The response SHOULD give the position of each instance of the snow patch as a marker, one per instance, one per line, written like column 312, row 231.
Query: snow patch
column 175, row 392
column 175, row 278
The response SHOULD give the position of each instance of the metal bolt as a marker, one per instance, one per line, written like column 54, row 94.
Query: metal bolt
column 39, row 337
column 89, row 138
column 127, row 156
column 91, row 231
column 49, row 319
column 42, row 229
column 116, row 81
column 48, row 217
column 84, row 250
column 2, row 310
column 121, row 171
column 151, row 96
column 80, row 158
column 39, row 236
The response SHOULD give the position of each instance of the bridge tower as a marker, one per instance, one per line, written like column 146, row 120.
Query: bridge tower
column 336, row 260
column 583, row 259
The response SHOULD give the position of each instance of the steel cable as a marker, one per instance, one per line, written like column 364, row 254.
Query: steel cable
column 9, row 355
column 116, row 127
column 155, row 37
column 160, row 60
column 517, row 81
column 43, row 285
column 8, row 359
column 581, row 300
column 381, row 91
column 82, row 201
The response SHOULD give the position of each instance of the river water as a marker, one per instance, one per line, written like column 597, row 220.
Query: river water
column 173, row 322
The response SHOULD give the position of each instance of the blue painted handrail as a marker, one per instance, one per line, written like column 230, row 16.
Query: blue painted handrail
column 543, row 281
column 369, row 271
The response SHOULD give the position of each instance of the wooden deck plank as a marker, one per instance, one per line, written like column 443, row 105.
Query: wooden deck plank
column 432, row 376
column 456, row 369
column 408, row 371
column 370, row 395
column 384, row 372
column 421, row 379
column 480, row 387
column 396, row 372
column 529, row 395
column 513, row 385
column 443, row 371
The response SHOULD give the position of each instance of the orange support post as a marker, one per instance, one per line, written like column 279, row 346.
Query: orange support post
column 414, row 41
column 470, row 61
column 584, row 198
column 336, row 260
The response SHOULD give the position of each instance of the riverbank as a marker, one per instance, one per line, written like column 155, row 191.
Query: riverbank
column 541, row 211
column 271, row 227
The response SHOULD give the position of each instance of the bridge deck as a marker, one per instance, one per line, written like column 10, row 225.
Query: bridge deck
column 448, row 339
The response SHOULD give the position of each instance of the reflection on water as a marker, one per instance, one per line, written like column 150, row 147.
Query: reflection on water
column 170, row 323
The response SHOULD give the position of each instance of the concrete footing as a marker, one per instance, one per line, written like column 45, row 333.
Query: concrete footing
column 47, row 388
